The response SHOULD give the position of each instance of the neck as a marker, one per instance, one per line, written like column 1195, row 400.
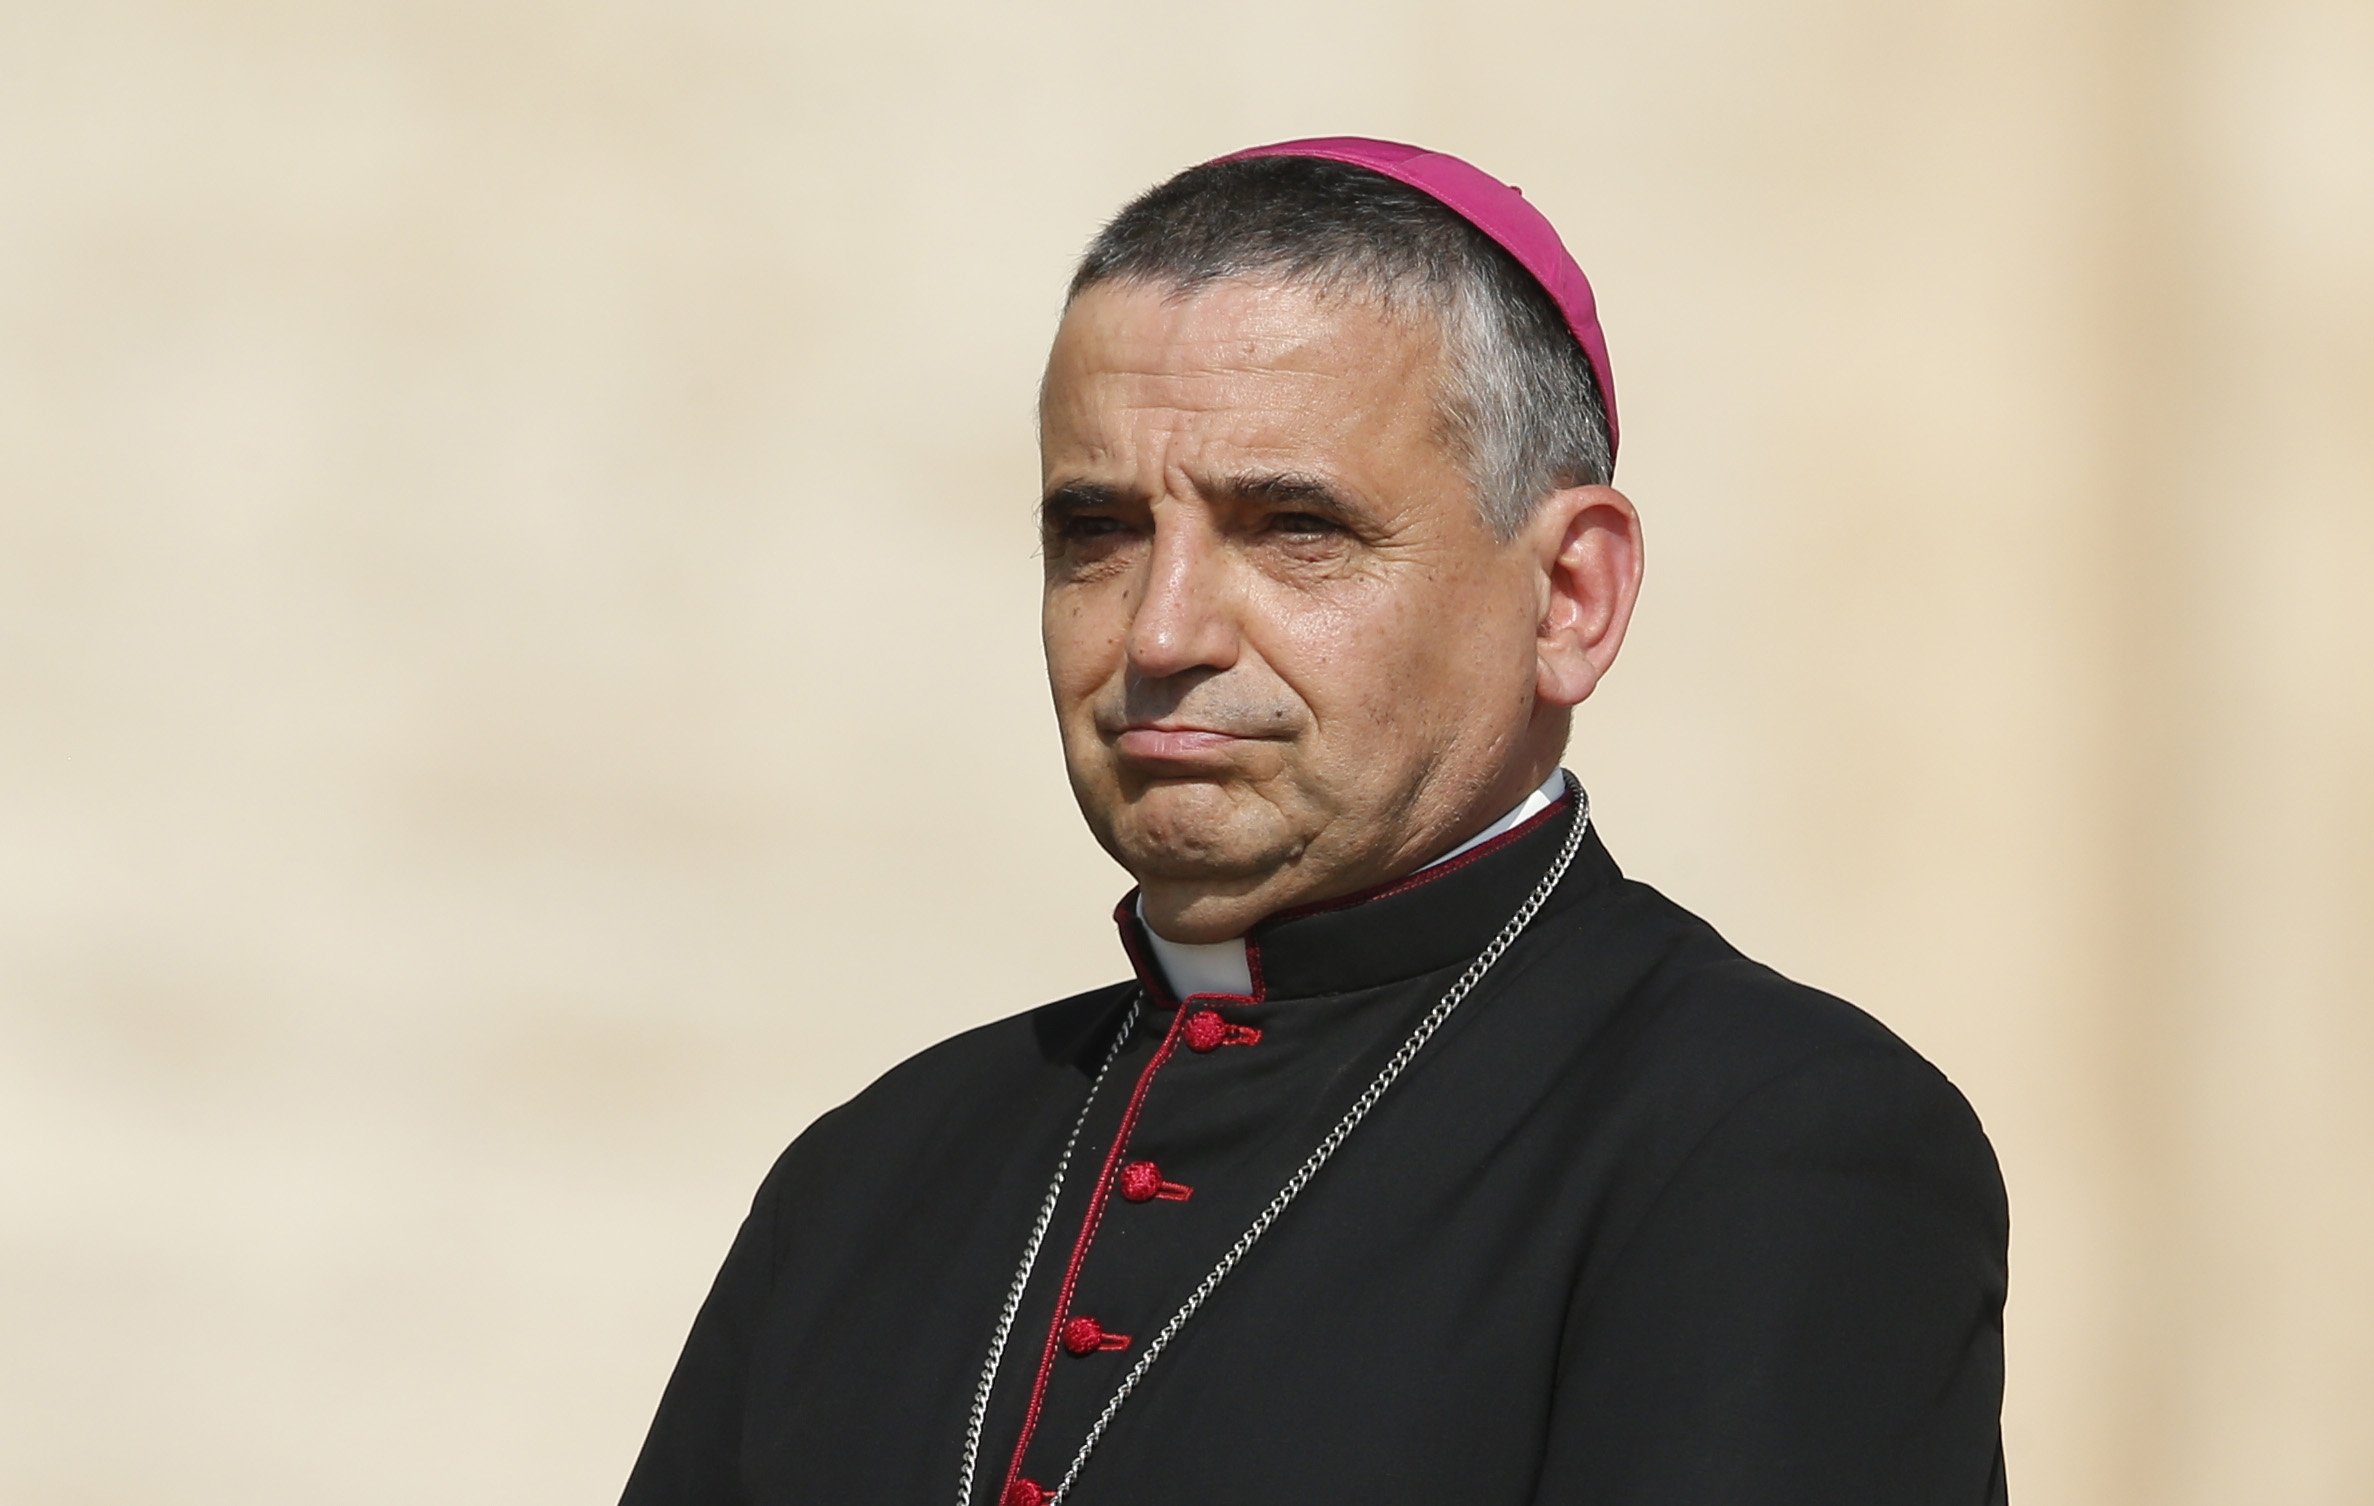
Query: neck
column 1222, row 967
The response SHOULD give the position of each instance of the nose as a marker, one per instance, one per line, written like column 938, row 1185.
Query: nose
column 1186, row 618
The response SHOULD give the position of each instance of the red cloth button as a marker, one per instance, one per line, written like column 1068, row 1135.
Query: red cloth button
column 1206, row 1031
column 1141, row 1182
column 1024, row 1493
column 1087, row 1336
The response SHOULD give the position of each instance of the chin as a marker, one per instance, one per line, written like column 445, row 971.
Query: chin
column 1195, row 831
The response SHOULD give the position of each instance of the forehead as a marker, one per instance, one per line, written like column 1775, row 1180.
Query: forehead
column 1243, row 362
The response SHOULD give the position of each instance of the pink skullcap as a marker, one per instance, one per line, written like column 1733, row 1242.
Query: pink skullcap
column 1492, row 207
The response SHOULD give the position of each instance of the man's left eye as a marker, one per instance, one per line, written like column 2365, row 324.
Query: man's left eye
column 1303, row 525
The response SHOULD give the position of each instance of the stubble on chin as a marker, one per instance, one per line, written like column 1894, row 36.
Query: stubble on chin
column 1199, row 832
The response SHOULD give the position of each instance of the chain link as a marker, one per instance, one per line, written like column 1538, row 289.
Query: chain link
column 1030, row 1257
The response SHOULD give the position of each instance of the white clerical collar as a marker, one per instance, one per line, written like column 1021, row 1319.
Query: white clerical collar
column 1221, row 967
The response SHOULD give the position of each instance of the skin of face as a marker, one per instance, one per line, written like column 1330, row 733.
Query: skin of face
column 1289, row 659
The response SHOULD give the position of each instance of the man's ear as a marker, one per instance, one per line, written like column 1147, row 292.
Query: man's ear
column 1587, row 542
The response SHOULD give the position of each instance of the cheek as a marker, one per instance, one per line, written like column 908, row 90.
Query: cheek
column 1343, row 654
column 1080, row 631
column 1402, row 663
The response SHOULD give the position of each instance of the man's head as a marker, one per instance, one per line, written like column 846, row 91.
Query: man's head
column 1330, row 552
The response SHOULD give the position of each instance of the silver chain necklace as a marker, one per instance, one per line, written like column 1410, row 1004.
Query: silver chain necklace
column 1327, row 1147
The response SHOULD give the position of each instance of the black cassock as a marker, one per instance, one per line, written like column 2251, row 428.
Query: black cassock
column 1644, row 1224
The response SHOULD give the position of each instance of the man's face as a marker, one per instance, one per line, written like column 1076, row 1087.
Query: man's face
column 1288, row 657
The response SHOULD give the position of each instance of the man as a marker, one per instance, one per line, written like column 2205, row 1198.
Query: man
column 1425, row 1158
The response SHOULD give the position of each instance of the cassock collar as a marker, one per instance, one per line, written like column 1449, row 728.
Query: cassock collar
column 1407, row 926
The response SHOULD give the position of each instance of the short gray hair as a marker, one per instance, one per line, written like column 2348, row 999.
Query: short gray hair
column 1519, row 403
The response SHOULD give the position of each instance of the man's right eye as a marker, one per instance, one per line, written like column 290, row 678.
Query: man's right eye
column 1085, row 527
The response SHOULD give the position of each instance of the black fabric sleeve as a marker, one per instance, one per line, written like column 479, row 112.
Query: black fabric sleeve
column 1809, row 1312
column 692, row 1455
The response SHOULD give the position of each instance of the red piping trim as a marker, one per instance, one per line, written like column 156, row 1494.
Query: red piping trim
column 1150, row 972
column 1096, row 1212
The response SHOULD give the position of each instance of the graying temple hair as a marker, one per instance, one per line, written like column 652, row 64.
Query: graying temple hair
column 1518, row 401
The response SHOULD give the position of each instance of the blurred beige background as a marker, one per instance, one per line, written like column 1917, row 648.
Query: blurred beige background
column 519, row 687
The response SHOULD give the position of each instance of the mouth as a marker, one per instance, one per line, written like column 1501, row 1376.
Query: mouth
column 1179, row 745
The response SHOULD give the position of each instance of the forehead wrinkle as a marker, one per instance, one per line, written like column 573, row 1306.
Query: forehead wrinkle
column 1198, row 419
column 1214, row 384
column 1234, row 379
column 1245, row 323
column 1235, row 331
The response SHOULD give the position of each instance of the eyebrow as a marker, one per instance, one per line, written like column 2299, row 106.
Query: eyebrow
column 1295, row 489
column 1078, row 497
column 1288, row 489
